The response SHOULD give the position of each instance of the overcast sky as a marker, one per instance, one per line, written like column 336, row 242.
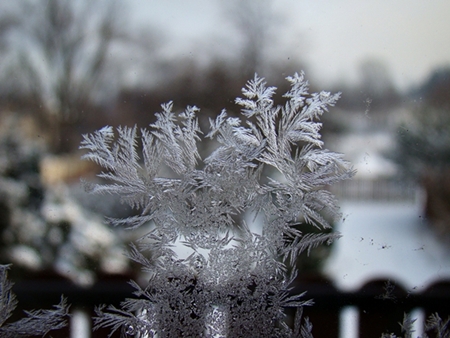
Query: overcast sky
column 333, row 37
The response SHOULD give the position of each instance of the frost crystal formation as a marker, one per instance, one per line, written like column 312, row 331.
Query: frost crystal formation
column 238, row 213
column 36, row 322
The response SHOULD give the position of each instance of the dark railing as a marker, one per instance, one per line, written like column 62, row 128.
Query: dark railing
column 380, row 305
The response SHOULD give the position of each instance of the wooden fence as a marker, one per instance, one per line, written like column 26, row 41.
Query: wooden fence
column 377, row 307
column 380, row 189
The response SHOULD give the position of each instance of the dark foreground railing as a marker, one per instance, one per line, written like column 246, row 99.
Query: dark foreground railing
column 380, row 305
column 377, row 307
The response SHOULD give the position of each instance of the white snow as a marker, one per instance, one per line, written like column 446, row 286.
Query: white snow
column 386, row 240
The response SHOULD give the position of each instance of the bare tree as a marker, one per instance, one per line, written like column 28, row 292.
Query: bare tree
column 7, row 21
column 59, row 55
column 377, row 85
column 253, row 21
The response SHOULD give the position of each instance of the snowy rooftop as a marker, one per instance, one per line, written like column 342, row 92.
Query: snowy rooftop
column 366, row 150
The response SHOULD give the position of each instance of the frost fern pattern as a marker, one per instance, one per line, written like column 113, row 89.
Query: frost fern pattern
column 36, row 323
column 235, row 280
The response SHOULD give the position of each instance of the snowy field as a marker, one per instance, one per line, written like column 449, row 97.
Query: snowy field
column 386, row 240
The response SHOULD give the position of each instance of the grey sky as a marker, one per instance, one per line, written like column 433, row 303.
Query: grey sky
column 411, row 36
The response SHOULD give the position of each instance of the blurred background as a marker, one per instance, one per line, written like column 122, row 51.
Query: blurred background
column 70, row 67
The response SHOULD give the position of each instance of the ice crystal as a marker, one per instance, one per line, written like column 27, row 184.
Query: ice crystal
column 235, row 280
column 36, row 323
column 434, row 324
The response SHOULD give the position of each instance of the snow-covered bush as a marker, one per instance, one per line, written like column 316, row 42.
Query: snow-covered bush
column 45, row 226
column 238, row 213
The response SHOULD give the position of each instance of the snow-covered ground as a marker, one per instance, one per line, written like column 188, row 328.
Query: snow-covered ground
column 386, row 240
